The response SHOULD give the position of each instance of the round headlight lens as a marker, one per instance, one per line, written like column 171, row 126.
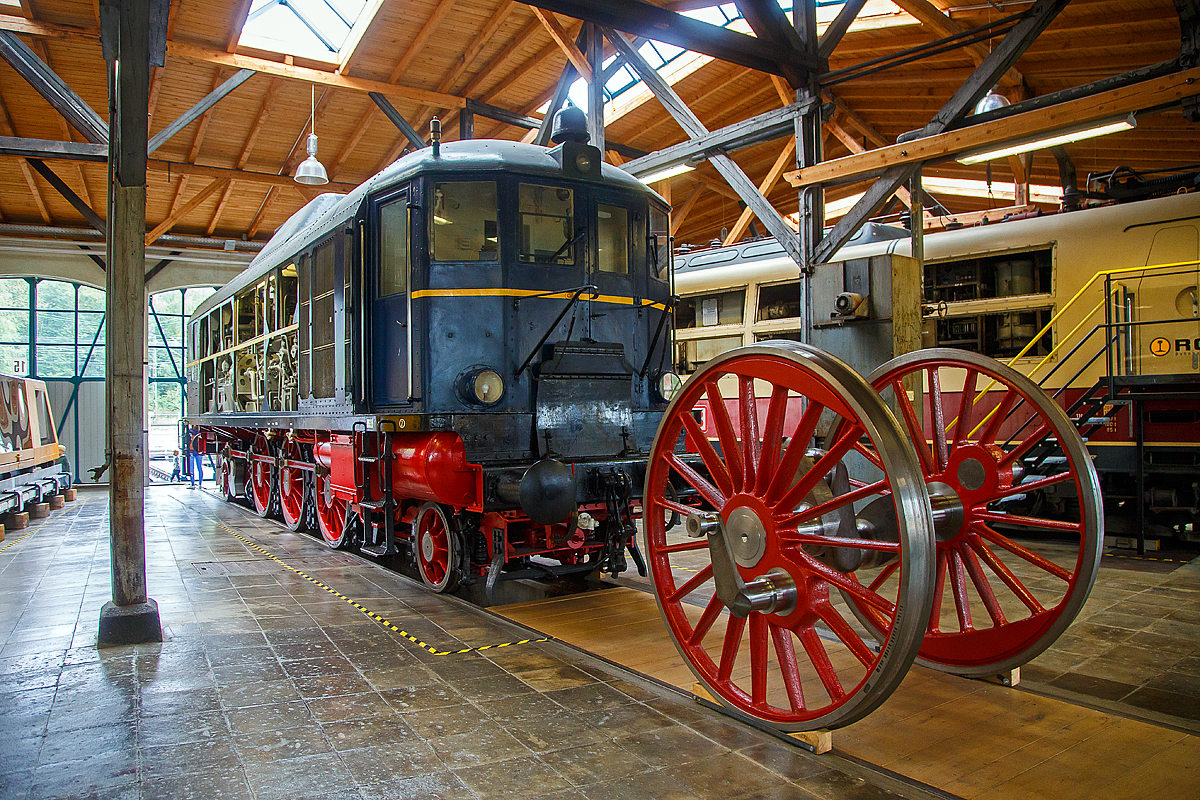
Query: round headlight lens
column 583, row 162
column 487, row 386
column 668, row 385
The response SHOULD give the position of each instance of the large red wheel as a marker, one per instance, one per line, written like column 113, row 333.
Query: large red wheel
column 335, row 521
column 1004, row 465
column 233, row 475
column 437, row 548
column 293, row 486
column 805, row 663
column 262, row 476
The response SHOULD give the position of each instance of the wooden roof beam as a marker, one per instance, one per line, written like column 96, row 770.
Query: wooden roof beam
column 240, row 12
column 936, row 20
column 61, row 97
column 79, row 204
column 189, row 207
column 6, row 129
column 264, row 112
column 313, row 76
column 564, row 41
column 786, row 155
column 349, row 48
column 677, row 217
column 204, row 106
column 1125, row 100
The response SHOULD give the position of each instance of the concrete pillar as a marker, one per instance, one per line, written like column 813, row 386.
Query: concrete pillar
column 131, row 617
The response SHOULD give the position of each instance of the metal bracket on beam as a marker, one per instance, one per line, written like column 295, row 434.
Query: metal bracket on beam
column 58, row 94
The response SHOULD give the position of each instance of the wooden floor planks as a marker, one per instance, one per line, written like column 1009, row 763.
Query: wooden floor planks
column 975, row 739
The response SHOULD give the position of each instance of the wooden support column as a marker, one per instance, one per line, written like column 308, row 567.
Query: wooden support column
column 131, row 617
column 595, row 51
column 809, row 151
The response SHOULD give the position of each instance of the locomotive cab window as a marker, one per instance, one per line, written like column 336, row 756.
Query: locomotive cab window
column 465, row 221
column 393, row 247
column 612, row 232
column 45, row 428
column 547, row 224
column 660, row 243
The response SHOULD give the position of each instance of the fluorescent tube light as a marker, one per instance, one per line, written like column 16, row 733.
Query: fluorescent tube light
column 663, row 174
column 1066, row 137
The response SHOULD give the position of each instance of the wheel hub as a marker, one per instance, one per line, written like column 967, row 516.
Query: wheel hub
column 427, row 546
column 747, row 536
column 948, row 511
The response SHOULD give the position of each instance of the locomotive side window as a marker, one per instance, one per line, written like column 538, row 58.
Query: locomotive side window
column 305, row 277
column 725, row 308
column 288, row 288
column 612, row 231
column 547, row 224
column 660, row 246
column 465, row 226
column 270, row 291
column 393, row 247
column 249, row 315
column 227, row 325
column 781, row 301
column 322, row 320
column 986, row 277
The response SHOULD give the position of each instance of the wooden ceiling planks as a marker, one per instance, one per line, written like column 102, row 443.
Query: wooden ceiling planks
column 497, row 51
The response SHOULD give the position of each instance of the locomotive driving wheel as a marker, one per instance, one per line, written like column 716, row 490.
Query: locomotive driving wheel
column 262, row 476
column 230, row 467
column 335, row 520
column 751, row 608
column 991, row 443
column 437, row 546
column 293, row 486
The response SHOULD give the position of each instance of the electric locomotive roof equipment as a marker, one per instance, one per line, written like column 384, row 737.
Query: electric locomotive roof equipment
column 463, row 360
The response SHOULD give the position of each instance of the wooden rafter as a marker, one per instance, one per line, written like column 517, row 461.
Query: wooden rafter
column 240, row 13
column 156, row 73
column 6, row 129
column 786, row 156
column 565, row 42
column 349, row 48
column 65, row 130
column 264, row 111
column 936, row 20
column 187, row 208
column 677, row 217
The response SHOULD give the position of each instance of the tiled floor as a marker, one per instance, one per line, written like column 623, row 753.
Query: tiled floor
column 269, row 686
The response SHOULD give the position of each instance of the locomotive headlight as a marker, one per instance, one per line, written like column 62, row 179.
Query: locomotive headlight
column 583, row 162
column 482, row 387
column 668, row 385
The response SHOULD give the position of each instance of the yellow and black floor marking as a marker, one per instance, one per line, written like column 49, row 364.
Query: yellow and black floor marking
column 385, row 623
column 32, row 532
column 1149, row 558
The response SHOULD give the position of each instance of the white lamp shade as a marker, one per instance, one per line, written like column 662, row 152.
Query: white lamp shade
column 311, row 172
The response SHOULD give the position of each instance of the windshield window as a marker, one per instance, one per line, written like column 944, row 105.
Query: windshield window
column 464, row 221
column 547, row 225
column 660, row 229
column 613, row 234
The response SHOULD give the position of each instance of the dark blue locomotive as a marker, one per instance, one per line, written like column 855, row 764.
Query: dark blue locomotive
column 465, row 359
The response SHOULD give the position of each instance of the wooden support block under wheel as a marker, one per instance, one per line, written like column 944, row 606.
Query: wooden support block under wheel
column 69, row 495
column 39, row 510
column 17, row 520
column 56, row 501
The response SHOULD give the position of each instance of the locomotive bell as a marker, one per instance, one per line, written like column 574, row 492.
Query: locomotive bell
column 570, row 125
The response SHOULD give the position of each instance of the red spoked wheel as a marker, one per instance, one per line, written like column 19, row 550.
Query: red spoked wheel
column 1017, row 506
column 435, row 540
column 293, row 486
column 335, row 521
column 232, row 475
column 262, row 476
column 806, row 663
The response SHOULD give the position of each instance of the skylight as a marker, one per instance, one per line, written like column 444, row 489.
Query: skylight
column 315, row 29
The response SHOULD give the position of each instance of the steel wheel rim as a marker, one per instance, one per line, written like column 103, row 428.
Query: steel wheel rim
column 870, row 676
column 331, row 513
column 262, row 475
column 973, row 558
column 433, row 542
column 292, row 490
column 227, row 475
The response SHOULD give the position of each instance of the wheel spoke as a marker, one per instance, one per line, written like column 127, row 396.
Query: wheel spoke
column 790, row 539
column 1017, row 550
column 684, row 547
column 1001, row 569
column 705, row 623
column 966, row 405
column 869, row 454
column 772, row 438
column 1030, row 522
column 958, row 587
column 915, row 431
column 819, row 470
column 692, row 585
column 725, row 433
column 982, row 586
column 785, row 651
column 712, row 462
column 794, row 454
column 751, row 443
column 671, row 505
column 820, row 659
column 941, row 449
column 729, row 650
column 837, row 623
column 939, row 588
column 834, row 504
column 883, row 575
column 710, row 493
column 998, row 416
column 1032, row 486
column 846, row 582
column 758, row 660
column 1026, row 445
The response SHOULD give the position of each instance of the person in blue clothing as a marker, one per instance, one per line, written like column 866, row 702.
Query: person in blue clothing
column 176, row 467
column 194, row 460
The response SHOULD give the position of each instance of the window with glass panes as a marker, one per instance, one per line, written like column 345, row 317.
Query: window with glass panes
column 167, row 370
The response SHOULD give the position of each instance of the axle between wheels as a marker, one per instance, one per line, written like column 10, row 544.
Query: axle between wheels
column 943, row 510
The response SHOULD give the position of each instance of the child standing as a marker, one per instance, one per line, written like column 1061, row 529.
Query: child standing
column 176, row 466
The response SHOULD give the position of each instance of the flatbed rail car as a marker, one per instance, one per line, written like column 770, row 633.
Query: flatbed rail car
column 463, row 360
column 993, row 289
column 32, row 462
